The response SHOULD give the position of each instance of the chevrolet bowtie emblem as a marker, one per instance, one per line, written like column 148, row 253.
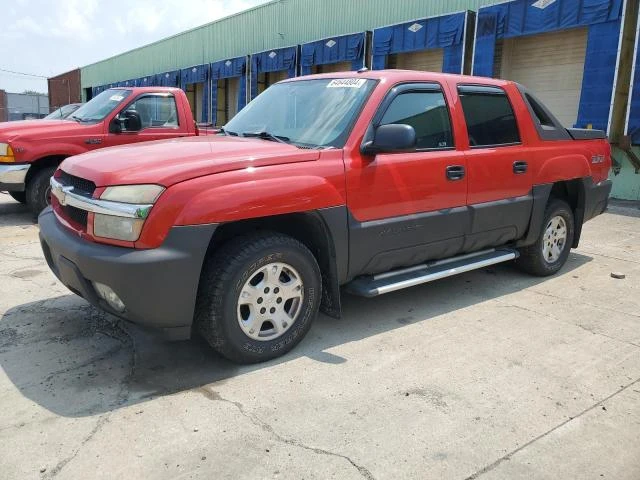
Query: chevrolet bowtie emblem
column 60, row 192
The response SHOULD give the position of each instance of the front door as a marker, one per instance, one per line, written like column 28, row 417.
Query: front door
column 159, row 117
column 408, row 207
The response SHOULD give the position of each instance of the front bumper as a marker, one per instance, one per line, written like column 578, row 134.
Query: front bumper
column 12, row 176
column 158, row 286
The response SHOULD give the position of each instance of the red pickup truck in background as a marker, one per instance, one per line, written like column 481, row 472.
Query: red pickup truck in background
column 374, row 181
column 30, row 151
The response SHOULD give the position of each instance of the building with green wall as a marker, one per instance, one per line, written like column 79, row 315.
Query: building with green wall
column 290, row 23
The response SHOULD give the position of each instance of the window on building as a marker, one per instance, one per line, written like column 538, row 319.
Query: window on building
column 156, row 111
column 427, row 113
column 489, row 116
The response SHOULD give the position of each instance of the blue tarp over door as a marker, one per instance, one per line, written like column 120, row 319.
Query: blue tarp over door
column 524, row 17
column 280, row 59
column 145, row 81
column 346, row 48
column 633, row 127
column 234, row 67
column 167, row 79
column 198, row 74
column 446, row 32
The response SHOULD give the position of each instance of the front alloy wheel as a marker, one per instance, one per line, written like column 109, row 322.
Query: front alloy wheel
column 257, row 297
column 270, row 301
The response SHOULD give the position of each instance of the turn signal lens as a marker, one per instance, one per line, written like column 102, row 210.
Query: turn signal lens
column 118, row 228
column 6, row 153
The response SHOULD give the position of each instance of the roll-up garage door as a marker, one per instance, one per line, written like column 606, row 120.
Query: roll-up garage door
column 424, row 60
column 332, row 67
column 551, row 65
column 265, row 80
column 227, row 104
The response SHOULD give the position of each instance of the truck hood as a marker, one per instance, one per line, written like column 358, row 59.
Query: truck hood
column 168, row 162
column 40, row 128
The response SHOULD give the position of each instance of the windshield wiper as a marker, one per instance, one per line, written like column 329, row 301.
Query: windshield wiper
column 267, row 136
column 82, row 120
column 228, row 132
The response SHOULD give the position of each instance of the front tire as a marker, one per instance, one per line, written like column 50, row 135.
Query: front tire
column 551, row 250
column 39, row 190
column 19, row 196
column 258, row 296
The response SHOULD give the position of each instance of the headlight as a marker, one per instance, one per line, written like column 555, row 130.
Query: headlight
column 126, row 228
column 118, row 228
column 6, row 154
column 132, row 193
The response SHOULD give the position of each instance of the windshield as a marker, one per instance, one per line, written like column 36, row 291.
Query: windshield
column 62, row 112
column 318, row 113
column 96, row 109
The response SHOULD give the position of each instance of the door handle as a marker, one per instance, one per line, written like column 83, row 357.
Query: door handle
column 455, row 172
column 520, row 167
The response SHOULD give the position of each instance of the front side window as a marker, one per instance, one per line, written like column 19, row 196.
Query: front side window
column 489, row 116
column 96, row 109
column 427, row 113
column 313, row 113
column 156, row 111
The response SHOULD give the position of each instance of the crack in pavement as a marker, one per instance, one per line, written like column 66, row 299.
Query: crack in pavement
column 600, row 307
column 120, row 333
column 553, row 317
column 509, row 455
column 212, row 395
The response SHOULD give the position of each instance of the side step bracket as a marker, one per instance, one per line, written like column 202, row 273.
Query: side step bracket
column 373, row 285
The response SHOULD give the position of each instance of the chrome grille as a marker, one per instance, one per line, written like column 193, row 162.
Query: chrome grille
column 80, row 185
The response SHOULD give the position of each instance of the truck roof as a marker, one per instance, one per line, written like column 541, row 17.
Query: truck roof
column 146, row 89
column 395, row 76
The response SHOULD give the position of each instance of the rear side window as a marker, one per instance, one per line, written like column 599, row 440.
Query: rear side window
column 538, row 111
column 427, row 113
column 156, row 111
column 489, row 116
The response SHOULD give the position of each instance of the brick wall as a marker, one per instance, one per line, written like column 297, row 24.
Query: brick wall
column 64, row 89
column 3, row 106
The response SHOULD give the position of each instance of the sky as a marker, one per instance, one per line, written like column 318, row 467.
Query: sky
column 47, row 38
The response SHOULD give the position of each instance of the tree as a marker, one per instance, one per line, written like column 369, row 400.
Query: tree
column 33, row 92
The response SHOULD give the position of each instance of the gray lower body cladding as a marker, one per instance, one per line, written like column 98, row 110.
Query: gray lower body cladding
column 158, row 286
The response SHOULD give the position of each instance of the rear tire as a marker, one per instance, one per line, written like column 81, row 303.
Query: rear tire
column 39, row 190
column 258, row 296
column 551, row 250
column 19, row 196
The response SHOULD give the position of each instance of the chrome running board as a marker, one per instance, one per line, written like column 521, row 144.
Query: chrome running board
column 379, row 284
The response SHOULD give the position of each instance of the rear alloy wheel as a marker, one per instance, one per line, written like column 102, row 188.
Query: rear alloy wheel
column 257, row 297
column 39, row 190
column 551, row 250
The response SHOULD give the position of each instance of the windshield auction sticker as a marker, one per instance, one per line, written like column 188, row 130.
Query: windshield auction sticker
column 116, row 98
column 346, row 83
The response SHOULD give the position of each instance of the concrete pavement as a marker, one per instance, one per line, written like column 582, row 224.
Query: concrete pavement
column 488, row 375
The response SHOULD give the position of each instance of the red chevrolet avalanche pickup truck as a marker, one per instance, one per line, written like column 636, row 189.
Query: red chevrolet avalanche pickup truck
column 374, row 181
column 30, row 151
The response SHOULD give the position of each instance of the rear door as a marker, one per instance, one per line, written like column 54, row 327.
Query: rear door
column 159, row 116
column 408, row 207
column 499, row 167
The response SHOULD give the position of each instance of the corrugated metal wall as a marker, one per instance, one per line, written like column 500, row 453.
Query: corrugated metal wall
column 275, row 24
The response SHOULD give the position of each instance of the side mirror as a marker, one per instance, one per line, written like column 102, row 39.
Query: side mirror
column 395, row 137
column 128, row 121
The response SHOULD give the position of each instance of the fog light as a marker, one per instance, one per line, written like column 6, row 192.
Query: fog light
column 108, row 295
